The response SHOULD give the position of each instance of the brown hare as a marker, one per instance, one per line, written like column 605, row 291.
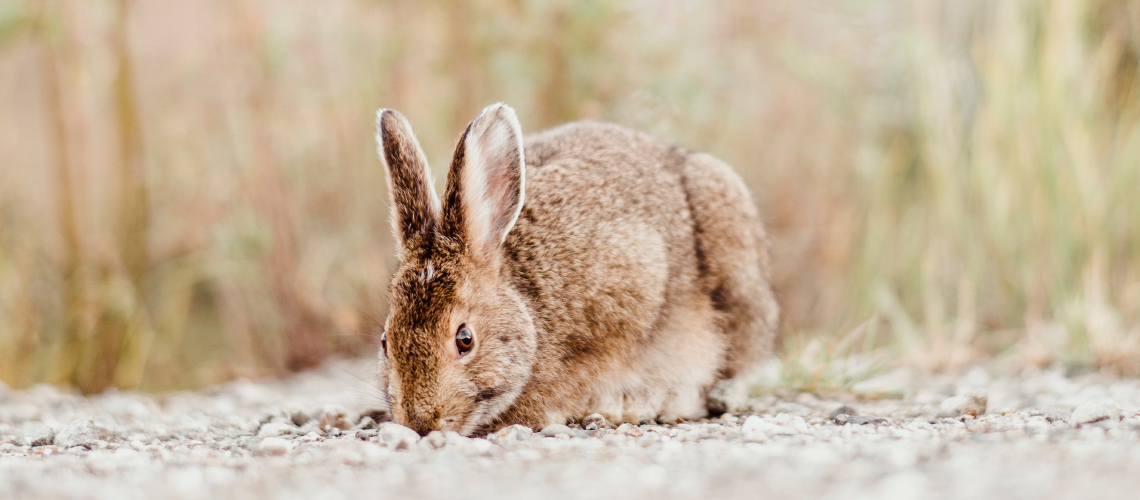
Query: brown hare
column 588, row 268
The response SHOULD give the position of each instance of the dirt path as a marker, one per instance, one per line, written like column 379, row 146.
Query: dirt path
column 265, row 440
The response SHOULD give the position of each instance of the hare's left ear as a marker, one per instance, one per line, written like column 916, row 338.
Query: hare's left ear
column 415, row 207
column 486, row 182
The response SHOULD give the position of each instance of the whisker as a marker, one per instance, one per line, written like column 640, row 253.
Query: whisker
column 353, row 375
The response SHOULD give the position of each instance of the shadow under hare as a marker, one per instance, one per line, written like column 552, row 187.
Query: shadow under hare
column 588, row 268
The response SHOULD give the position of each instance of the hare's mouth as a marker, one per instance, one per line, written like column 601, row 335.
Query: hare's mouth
column 451, row 424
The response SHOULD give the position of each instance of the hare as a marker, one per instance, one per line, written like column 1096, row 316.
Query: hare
column 588, row 268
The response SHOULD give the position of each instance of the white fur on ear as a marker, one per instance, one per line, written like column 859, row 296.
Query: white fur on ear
column 494, row 163
column 380, row 136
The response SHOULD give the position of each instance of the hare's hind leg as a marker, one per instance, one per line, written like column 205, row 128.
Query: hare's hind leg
column 733, row 248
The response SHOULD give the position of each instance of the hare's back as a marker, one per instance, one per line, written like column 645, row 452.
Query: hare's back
column 605, row 168
column 596, row 179
column 605, row 232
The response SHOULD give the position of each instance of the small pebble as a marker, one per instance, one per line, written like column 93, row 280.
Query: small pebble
column 1053, row 414
column 843, row 410
column 36, row 434
column 274, row 446
column 866, row 420
column 511, row 434
column 81, row 432
column 397, row 436
column 1095, row 411
column 630, row 430
column 754, row 429
column 335, row 416
column 556, row 430
column 435, row 439
column 299, row 418
column 971, row 404
column 275, row 429
column 593, row 422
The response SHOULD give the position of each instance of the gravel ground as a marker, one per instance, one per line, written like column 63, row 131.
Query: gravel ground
column 1034, row 434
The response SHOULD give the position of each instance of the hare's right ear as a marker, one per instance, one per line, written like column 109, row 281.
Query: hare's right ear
column 415, row 206
column 486, row 184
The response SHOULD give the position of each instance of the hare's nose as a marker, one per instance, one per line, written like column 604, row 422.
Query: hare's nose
column 422, row 418
column 423, row 425
column 423, row 431
column 448, row 424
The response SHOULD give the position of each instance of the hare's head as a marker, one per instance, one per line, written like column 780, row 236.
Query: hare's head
column 458, row 343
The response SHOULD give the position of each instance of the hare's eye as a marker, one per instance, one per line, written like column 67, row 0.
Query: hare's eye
column 384, row 341
column 464, row 339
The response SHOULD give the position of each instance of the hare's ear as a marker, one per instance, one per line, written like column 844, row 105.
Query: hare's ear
column 415, row 206
column 486, row 183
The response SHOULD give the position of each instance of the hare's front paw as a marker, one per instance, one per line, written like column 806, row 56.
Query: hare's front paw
column 727, row 396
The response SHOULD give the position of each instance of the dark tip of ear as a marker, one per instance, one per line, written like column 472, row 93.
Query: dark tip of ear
column 393, row 132
column 388, row 121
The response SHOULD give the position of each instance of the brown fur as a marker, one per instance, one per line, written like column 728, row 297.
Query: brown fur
column 634, row 282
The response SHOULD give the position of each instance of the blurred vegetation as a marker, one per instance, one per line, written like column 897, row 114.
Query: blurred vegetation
column 189, row 190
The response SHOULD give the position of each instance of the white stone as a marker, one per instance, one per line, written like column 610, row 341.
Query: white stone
column 457, row 440
column 972, row 404
column 1095, row 411
column 512, row 434
column 556, row 430
column 36, row 434
column 794, row 422
column 80, row 432
column 397, row 436
column 275, row 429
column 482, row 446
column 594, row 421
column 273, row 446
column 755, row 429
column 434, row 439
column 630, row 430
column 335, row 416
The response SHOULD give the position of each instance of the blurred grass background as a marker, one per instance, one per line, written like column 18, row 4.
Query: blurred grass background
column 189, row 190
